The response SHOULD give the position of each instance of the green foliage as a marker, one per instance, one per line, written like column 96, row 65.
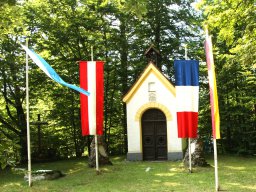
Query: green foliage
column 12, row 116
column 62, row 32
column 9, row 2
column 9, row 151
column 232, row 24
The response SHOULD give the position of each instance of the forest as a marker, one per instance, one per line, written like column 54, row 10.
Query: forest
column 120, row 31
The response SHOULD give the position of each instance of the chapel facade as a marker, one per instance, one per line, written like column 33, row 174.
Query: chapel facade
column 151, row 117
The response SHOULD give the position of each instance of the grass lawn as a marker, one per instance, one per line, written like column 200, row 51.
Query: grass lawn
column 235, row 174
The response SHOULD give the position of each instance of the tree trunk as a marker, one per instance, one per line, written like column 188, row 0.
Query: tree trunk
column 103, row 156
column 23, row 133
column 197, row 155
column 124, row 64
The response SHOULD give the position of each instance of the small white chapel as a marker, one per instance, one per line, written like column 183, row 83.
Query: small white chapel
column 151, row 116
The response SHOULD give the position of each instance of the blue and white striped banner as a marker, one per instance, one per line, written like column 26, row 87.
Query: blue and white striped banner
column 49, row 71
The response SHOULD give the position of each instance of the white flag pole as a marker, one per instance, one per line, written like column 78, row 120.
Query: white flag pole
column 96, row 137
column 189, row 140
column 28, row 128
column 189, row 154
column 97, row 154
column 216, row 165
column 186, row 52
column 92, row 53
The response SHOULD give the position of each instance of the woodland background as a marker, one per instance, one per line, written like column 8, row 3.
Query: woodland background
column 62, row 32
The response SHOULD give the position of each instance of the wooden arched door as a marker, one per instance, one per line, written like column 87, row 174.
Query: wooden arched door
column 154, row 135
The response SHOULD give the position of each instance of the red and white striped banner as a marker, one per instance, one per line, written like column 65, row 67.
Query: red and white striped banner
column 92, row 106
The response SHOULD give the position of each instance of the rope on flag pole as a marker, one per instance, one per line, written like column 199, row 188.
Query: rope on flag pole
column 189, row 140
column 28, row 128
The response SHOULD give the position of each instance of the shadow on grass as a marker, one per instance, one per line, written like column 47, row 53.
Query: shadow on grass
column 234, row 175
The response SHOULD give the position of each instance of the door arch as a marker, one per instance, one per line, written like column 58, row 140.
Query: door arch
column 154, row 135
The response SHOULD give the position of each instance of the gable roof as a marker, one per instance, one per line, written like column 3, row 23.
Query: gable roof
column 150, row 49
column 151, row 68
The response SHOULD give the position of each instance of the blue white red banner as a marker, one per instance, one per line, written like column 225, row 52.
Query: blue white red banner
column 187, row 97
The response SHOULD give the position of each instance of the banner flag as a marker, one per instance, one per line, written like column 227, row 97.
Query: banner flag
column 213, row 89
column 49, row 71
column 92, row 79
column 187, row 96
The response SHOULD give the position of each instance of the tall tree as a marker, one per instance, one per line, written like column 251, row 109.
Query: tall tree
column 232, row 24
column 12, row 119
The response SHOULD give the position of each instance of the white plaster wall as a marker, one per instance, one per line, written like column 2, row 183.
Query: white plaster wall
column 174, row 143
column 140, row 98
column 133, row 134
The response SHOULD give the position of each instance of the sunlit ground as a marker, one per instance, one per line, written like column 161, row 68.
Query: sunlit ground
column 235, row 174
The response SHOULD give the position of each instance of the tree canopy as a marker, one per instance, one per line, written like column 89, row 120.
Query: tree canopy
column 232, row 25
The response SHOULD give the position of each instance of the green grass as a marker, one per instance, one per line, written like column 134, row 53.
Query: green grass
column 235, row 174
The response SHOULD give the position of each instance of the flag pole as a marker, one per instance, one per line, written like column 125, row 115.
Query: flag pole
column 189, row 154
column 28, row 128
column 217, row 187
column 96, row 152
column 189, row 140
column 216, row 165
column 92, row 53
column 186, row 51
column 96, row 136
